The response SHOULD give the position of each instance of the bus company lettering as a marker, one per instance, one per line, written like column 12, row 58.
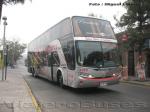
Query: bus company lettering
column 52, row 48
column 84, row 70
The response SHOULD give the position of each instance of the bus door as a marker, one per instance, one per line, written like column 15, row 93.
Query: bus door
column 54, row 64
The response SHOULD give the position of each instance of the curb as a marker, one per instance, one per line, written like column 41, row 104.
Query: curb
column 34, row 101
column 135, row 83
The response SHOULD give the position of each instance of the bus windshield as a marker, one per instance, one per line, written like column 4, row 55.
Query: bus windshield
column 96, row 54
column 91, row 27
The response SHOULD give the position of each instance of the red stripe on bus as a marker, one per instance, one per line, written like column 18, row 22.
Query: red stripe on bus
column 101, row 79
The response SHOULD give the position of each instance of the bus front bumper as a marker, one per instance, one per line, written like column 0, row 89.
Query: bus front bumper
column 97, row 82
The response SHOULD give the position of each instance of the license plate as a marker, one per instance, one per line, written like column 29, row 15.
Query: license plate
column 103, row 83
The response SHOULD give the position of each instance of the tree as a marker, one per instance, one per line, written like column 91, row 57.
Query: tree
column 92, row 15
column 5, row 2
column 137, row 24
column 14, row 51
column 138, row 14
column 136, row 20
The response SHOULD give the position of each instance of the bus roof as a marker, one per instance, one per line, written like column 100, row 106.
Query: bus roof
column 65, row 19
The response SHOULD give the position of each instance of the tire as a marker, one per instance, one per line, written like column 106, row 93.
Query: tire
column 34, row 72
column 60, row 81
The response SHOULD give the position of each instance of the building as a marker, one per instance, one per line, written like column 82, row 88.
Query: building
column 132, row 59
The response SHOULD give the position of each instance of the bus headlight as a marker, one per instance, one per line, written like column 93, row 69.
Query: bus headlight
column 90, row 76
column 117, row 75
column 86, row 76
column 114, row 75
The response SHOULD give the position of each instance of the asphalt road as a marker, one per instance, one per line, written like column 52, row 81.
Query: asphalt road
column 117, row 98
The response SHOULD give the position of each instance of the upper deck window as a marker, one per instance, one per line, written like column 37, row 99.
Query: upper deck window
column 91, row 27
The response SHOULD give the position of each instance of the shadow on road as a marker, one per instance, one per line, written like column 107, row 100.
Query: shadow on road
column 81, row 91
column 92, row 90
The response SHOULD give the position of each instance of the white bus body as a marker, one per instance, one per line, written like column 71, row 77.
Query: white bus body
column 76, row 53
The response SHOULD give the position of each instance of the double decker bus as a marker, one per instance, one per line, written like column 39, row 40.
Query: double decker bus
column 77, row 52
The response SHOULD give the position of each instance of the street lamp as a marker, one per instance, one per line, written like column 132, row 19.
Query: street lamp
column 4, row 68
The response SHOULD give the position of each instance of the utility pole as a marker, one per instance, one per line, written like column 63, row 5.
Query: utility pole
column 4, row 67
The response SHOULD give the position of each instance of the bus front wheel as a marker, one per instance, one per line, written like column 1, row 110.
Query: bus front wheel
column 60, row 80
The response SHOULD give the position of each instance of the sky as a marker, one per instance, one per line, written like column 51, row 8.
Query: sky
column 27, row 21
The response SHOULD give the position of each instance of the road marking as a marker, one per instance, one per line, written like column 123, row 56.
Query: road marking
column 34, row 102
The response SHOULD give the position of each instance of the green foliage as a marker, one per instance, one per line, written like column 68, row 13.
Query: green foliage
column 5, row 2
column 13, row 1
column 14, row 51
column 92, row 15
column 138, row 14
column 137, row 21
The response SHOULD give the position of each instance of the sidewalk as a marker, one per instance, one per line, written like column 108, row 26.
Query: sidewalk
column 136, row 81
column 14, row 93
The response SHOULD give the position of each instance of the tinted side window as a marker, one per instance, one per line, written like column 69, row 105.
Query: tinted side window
column 42, row 56
column 49, row 60
column 68, row 50
column 55, row 59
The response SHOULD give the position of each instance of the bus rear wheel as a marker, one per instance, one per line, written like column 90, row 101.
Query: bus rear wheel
column 34, row 72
